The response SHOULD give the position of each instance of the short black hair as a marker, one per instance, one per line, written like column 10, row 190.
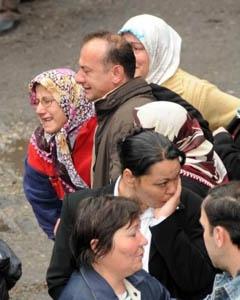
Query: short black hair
column 119, row 50
column 143, row 147
column 99, row 218
column 222, row 207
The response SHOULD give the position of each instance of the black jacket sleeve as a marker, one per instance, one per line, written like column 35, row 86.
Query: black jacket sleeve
column 179, row 242
column 61, row 264
column 164, row 94
column 229, row 152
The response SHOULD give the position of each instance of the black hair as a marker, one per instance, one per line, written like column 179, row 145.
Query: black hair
column 143, row 148
column 222, row 207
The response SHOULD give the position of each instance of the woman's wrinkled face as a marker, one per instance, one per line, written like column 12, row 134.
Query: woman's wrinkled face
column 125, row 257
column 50, row 114
column 141, row 55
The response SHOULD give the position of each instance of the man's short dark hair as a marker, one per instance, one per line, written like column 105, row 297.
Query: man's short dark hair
column 99, row 218
column 119, row 51
column 222, row 207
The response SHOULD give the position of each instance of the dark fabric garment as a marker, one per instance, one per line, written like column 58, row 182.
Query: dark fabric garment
column 164, row 94
column 43, row 199
column 89, row 285
column 178, row 257
column 195, row 186
column 10, row 269
column 234, row 129
column 62, row 263
column 115, row 120
column 229, row 152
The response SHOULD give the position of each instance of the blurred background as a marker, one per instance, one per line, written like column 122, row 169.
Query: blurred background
column 48, row 36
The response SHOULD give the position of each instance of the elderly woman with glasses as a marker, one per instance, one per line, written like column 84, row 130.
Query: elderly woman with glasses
column 60, row 149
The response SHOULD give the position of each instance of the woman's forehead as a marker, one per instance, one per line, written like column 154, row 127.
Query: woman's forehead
column 168, row 168
column 131, row 38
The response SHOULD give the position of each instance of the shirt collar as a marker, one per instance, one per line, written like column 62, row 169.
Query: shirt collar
column 116, row 187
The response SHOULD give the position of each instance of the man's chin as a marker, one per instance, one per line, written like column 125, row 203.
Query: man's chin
column 89, row 97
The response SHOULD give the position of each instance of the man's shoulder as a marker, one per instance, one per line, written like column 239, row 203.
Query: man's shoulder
column 127, row 107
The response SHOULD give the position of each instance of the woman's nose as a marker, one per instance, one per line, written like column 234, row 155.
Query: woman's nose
column 172, row 187
column 143, row 240
column 40, row 108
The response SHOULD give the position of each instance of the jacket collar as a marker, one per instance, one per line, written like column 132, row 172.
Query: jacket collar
column 100, row 286
column 117, row 97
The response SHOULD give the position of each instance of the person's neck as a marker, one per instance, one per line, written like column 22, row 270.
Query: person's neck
column 125, row 191
column 115, row 87
column 114, row 280
column 233, row 262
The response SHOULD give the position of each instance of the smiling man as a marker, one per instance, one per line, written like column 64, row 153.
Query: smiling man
column 106, row 71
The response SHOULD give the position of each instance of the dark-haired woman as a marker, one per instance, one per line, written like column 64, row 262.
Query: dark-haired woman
column 175, row 253
column 99, row 243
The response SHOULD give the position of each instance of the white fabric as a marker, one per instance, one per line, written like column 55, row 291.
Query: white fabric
column 124, row 296
column 148, row 220
column 116, row 186
column 134, row 294
column 162, row 43
column 166, row 117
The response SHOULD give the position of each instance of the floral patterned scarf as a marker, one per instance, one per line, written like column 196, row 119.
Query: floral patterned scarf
column 56, row 148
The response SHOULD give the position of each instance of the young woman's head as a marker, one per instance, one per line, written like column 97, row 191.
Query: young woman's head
column 58, row 100
column 156, row 46
column 150, row 167
column 107, row 235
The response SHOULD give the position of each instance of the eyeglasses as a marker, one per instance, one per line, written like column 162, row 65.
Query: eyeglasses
column 45, row 102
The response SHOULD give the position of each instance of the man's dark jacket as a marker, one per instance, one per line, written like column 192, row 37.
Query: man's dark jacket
column 178, row 257
column 115, row 120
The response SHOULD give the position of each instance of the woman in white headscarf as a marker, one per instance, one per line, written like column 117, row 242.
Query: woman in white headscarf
column 203, row 168
column 157, row 47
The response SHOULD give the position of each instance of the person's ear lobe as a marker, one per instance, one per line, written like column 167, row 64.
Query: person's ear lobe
column 117, row 74
column 93, row 244
column 219, row 236
column 128, row 177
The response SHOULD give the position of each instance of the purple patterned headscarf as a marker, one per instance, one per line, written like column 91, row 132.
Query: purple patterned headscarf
column 56, row 148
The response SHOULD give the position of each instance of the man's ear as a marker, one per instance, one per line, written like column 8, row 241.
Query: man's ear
column 219, row 235
column 93, row 244
column 117, row 74
column 128, row 178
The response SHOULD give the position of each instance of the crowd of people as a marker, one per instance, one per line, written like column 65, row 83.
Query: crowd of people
column 132, row 172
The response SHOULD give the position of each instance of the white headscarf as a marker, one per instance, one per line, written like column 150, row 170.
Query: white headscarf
column 162, row 43
column 173, row 121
